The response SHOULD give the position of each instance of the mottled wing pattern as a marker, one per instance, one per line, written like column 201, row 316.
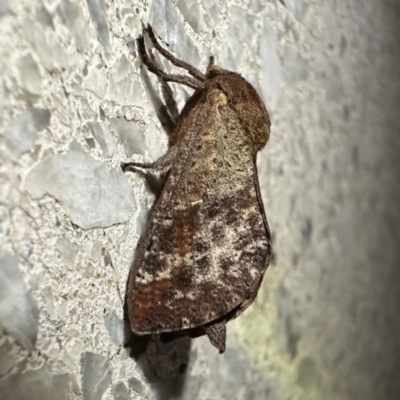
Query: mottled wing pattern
column 207, row 244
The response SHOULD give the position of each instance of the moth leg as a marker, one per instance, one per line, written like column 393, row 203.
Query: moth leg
column 217, row 335
column 179, row 63
column 163, row 164
column 155, row 69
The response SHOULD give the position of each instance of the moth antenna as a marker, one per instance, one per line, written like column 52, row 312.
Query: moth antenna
column 179, row 63
column 211, row 65
column 155, row 69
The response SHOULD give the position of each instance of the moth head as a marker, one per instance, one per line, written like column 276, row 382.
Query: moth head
column 244, row 100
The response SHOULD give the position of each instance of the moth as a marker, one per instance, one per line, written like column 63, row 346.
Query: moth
column 207, row 244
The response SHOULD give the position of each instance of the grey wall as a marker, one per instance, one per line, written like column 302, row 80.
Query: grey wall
column 75, row 103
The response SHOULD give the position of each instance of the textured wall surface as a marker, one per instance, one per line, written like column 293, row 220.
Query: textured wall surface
column 75, row 102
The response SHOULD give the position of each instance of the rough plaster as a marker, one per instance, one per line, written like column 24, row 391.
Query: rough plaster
column 75, row 103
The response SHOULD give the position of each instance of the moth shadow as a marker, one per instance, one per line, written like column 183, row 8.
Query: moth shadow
column 165, row 108
column 167, row 113
column 163, row 362
column 155, row 182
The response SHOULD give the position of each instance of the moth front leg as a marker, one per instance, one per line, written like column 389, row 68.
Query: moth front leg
column 163, row 164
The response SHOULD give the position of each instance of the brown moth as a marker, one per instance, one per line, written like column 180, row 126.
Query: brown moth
column 207, row 244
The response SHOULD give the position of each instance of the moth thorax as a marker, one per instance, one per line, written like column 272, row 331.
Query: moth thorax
column 217, row 98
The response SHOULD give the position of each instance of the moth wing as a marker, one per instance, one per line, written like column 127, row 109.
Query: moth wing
column 207, row 243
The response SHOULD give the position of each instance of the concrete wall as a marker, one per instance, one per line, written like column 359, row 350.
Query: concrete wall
column 75, row 103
